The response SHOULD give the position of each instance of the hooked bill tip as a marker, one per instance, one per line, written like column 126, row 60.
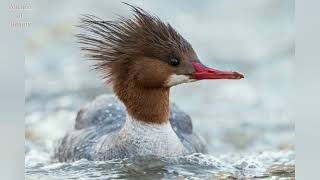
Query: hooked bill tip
column 238, row 75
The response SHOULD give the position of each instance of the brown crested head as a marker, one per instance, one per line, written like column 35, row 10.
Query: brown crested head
column 142, row 57
column 142, row 47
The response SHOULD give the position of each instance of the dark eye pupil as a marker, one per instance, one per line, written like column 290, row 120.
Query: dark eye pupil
column 174, row 62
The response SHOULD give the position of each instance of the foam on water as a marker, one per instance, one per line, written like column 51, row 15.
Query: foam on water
column 195, row 166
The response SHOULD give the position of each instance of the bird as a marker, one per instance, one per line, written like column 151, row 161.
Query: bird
column 141, row 58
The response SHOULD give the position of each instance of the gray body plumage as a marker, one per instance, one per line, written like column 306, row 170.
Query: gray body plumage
column 101, row 133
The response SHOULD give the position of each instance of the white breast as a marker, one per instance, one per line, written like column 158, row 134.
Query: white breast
column 152, row 139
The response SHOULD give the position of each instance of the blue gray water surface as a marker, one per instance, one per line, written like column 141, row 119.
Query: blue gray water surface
column 246, row 124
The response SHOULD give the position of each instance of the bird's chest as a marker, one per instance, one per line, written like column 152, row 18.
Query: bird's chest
column 151, row 139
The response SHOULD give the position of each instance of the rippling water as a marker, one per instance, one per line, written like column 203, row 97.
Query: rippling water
column 195, row 166
column 246, row 123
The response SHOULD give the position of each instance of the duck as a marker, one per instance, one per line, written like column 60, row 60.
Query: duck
column 141, row 58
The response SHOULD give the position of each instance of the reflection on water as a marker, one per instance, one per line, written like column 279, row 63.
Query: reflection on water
column 246, row 123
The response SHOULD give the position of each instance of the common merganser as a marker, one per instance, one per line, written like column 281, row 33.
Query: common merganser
column 142, row 58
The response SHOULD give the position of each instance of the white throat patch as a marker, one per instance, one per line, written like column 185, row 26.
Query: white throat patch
column 178, row 79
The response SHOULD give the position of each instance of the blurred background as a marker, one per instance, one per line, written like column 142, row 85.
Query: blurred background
column 254, row 37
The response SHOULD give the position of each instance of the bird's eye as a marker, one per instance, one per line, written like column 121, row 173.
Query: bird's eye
column 174, row 62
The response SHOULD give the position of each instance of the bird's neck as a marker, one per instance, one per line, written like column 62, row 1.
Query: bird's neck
column 150, row 105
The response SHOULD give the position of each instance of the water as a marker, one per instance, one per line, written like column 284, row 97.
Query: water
column 195, row 166
column 246, row 123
